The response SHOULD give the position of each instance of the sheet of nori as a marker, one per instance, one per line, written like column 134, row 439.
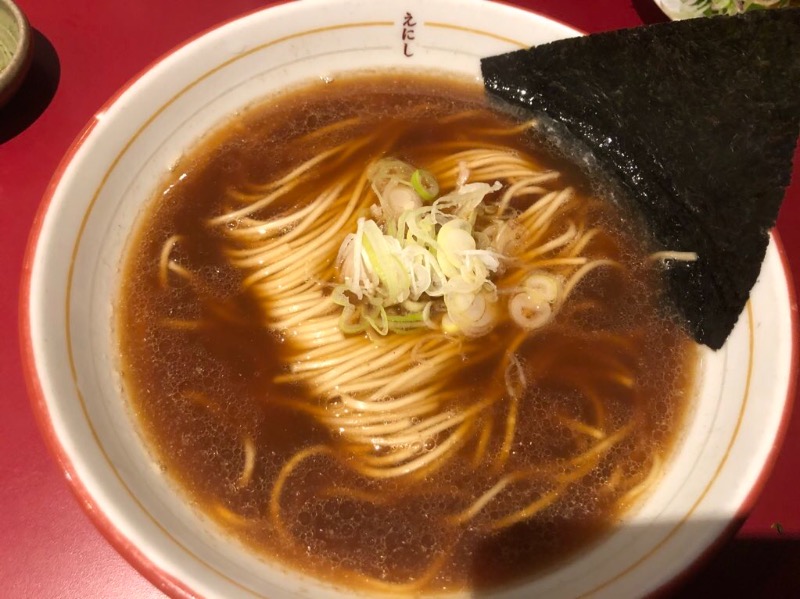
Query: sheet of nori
column 697, row 122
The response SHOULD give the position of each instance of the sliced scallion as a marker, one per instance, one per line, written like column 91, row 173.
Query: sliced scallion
column 424, row 183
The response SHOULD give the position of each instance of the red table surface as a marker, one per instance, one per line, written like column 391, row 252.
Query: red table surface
column 86, row 49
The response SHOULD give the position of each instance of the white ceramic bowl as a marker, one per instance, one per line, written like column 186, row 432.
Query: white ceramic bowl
column 73, row 264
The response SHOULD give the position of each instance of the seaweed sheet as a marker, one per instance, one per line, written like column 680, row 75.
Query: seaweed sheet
column 696, row 122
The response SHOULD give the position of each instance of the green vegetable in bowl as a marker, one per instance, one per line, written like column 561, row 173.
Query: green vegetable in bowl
column 709, row 8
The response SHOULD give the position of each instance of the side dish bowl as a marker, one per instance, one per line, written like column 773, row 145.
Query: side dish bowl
column 691, row 9
column 15, row 49
column 742, row 396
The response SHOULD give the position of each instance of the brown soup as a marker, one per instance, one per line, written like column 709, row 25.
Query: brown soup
column 517, row 485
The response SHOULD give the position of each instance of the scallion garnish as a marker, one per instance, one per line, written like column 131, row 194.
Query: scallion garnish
column 424, row 184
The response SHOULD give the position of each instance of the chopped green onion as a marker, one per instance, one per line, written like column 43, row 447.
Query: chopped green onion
column 424, row 184
column 406, row 322
column 410, row 255
column 412, row 317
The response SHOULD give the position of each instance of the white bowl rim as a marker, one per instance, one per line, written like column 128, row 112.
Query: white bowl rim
column 162, row 579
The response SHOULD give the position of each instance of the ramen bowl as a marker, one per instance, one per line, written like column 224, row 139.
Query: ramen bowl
column 740, row 401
